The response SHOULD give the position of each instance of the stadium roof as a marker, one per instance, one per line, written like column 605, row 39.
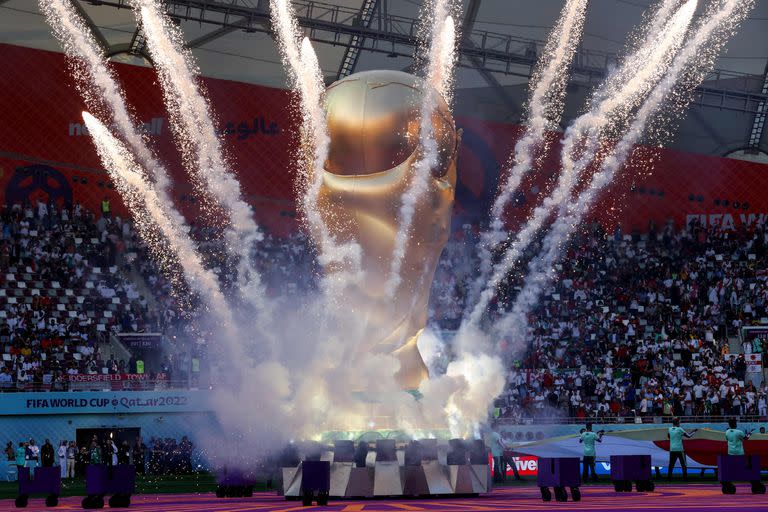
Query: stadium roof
column 231, row 39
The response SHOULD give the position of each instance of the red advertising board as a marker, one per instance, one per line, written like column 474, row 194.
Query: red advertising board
column 44, row 152
column 527, row 465
column 115, row 381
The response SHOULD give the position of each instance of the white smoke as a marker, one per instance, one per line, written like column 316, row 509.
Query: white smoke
column 621, row 92
column 689, row 65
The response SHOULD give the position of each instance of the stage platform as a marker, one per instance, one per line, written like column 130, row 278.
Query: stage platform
column 678, row 498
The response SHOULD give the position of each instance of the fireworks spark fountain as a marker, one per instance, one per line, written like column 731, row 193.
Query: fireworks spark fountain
column 660, row 16
column 346, row 256
column 441, row 62
column 623, row 91
column 96, row 82
column 150, row 210
column 99, row 87
column 305, row 77
column 201, row 149
column 544, row 111
column 689, row 66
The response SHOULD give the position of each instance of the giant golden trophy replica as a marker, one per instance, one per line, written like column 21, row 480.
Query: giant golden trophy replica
column 373, row 122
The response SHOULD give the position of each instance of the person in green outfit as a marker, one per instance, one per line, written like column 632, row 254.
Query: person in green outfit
column 675, row 434
column 588, row 438
column 735, row 438
column 21, row 456
column 497, row 445
column 497, row 452
column 95, row 453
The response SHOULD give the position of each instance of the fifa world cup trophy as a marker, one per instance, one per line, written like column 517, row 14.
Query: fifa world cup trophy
column 374, row 121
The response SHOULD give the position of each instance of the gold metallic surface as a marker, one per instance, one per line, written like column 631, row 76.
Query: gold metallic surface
column 373, row 121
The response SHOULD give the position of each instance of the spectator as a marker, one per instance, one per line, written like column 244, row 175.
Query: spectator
column 62, row 453
column 21, row 455
column 6, row 381
column 106, row 452
column 105, row 208
column 47, row 454
column 82, row 459
column 95, row 453
column 72, row 455
column 123, row 453
column 33, row 455
column 185, row 450
column 139, row 449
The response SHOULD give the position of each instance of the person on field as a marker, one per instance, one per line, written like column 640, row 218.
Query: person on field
column 588, row 439
column 736, row 438
column 675, row 434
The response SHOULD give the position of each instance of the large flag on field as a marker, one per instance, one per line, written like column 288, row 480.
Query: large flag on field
column 701, row 451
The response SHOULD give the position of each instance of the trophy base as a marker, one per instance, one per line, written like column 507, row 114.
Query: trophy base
column 423, row 468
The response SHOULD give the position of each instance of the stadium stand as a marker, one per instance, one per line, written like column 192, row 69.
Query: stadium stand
column 636, row 325
column 65, row 287
column 70, row 280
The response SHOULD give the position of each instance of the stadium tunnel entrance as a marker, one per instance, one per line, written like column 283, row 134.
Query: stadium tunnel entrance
column 117, row 435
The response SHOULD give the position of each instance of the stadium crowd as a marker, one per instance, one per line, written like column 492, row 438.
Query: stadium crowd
column 635, row 325
column 65, row 285
column 68, row 280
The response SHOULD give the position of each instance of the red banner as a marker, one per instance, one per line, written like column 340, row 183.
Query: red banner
column 116, row 381
column 45, row 152
column 102, row 377
column 525, row 466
